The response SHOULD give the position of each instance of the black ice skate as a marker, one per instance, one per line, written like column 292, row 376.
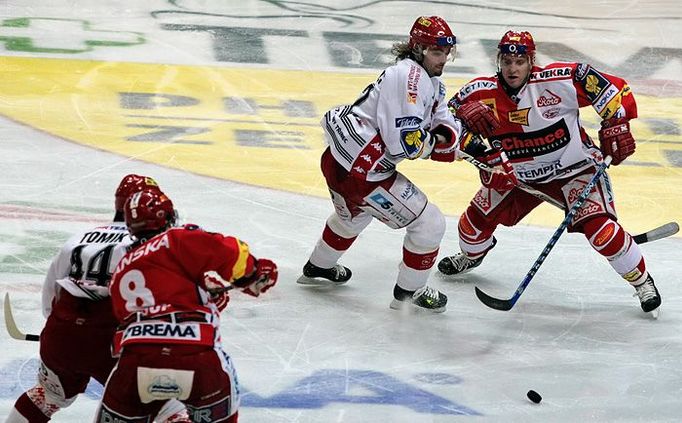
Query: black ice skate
column 313, row 275
column 648, row 295
column 460, row 263
column 425, row 298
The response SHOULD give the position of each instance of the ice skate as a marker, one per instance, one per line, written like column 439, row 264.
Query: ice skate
column 457, row 264
column 318, row 276
column 648, row 295
column 423, row 299
column 460, row 263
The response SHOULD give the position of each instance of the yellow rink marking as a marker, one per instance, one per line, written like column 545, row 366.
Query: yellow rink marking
column 233, row 124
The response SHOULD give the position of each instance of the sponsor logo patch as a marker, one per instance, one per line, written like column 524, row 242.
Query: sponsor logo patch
column 524, row 145
column 550, row 113
column 409, row 121
column 604, row 235
column 519, row 116
column 548, row 98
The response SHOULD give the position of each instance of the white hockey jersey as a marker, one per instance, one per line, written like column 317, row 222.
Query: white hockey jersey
column 85, row 264
column 389, row 122
column 540, row 129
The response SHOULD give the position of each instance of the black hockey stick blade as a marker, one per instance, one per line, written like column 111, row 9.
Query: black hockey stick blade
column 11, row 325
column 662, row 231
column 492, row 302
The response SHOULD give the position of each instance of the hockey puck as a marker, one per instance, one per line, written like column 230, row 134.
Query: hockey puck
column 534, row 396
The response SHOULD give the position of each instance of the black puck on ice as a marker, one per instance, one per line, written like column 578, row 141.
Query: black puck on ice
column 534, row 396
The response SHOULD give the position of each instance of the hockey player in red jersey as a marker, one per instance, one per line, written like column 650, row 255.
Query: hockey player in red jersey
column 530, row 115
column 402, row 115
column 167, row 293
column 75, row 343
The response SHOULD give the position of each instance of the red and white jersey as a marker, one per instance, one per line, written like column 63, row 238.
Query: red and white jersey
column 540, row 127
column 159, row 290
column 389, row 122
column 83, row 268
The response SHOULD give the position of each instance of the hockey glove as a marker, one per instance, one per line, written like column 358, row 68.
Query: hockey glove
column 616, row 139
column 503, row 177
column 478, row 117
column 263, row 278
column 444, row 150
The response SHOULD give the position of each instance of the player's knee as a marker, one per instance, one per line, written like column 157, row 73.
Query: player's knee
column 470, row 226
column 348, row 228
column 606, row 236
column 426, row 232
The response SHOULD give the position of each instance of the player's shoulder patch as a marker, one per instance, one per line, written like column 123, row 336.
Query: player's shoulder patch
column 581, row 71
column 475, row 85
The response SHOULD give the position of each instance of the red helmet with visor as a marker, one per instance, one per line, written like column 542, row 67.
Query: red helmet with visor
column 431, row 31
column 517, row 43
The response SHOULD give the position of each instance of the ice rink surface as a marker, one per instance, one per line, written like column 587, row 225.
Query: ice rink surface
column 576, row 336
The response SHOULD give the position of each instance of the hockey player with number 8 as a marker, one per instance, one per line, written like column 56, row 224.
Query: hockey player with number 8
column 530, row 115
column 167, row 294
column 75, row 343
column 403, row 115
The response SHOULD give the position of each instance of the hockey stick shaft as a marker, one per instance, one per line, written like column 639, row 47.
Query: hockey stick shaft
column 506, row 305
column 541, row 195
column 11, row 325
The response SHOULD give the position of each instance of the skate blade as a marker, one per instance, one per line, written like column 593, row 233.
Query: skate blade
column 655, row 313
column 304, row 280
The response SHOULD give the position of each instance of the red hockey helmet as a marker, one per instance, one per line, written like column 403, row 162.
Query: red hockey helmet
column 431, row 31
column 149, row 210
column 131, row 184
column 517, row 43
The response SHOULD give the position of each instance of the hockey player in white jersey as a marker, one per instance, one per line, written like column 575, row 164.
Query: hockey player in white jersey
column 75, row 343
column 402, row 115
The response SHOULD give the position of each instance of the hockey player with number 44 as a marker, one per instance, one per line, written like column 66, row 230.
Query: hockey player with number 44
column 530, row 115
column 167, row 294
column 402, row 115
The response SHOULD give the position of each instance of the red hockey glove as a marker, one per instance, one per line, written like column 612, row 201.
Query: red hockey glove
column 616, row 139
column 478, row 117
column 263, row 278
column 503, row 177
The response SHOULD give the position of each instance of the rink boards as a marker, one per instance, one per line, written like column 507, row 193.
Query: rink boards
column 261, row 127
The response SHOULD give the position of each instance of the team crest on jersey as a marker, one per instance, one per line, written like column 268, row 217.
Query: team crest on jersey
column 594, row 83
column 548, row 98
column 519, row 116
column 413, row 141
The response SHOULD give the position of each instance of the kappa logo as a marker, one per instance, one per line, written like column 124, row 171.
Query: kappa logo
column 548, row 98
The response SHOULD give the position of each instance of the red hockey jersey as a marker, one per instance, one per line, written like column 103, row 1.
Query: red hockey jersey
column 540, row 127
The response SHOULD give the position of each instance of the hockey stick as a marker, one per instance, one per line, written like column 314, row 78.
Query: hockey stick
column 11, row 325
column 483, row 166
column 506, row 305
column 660, row 232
